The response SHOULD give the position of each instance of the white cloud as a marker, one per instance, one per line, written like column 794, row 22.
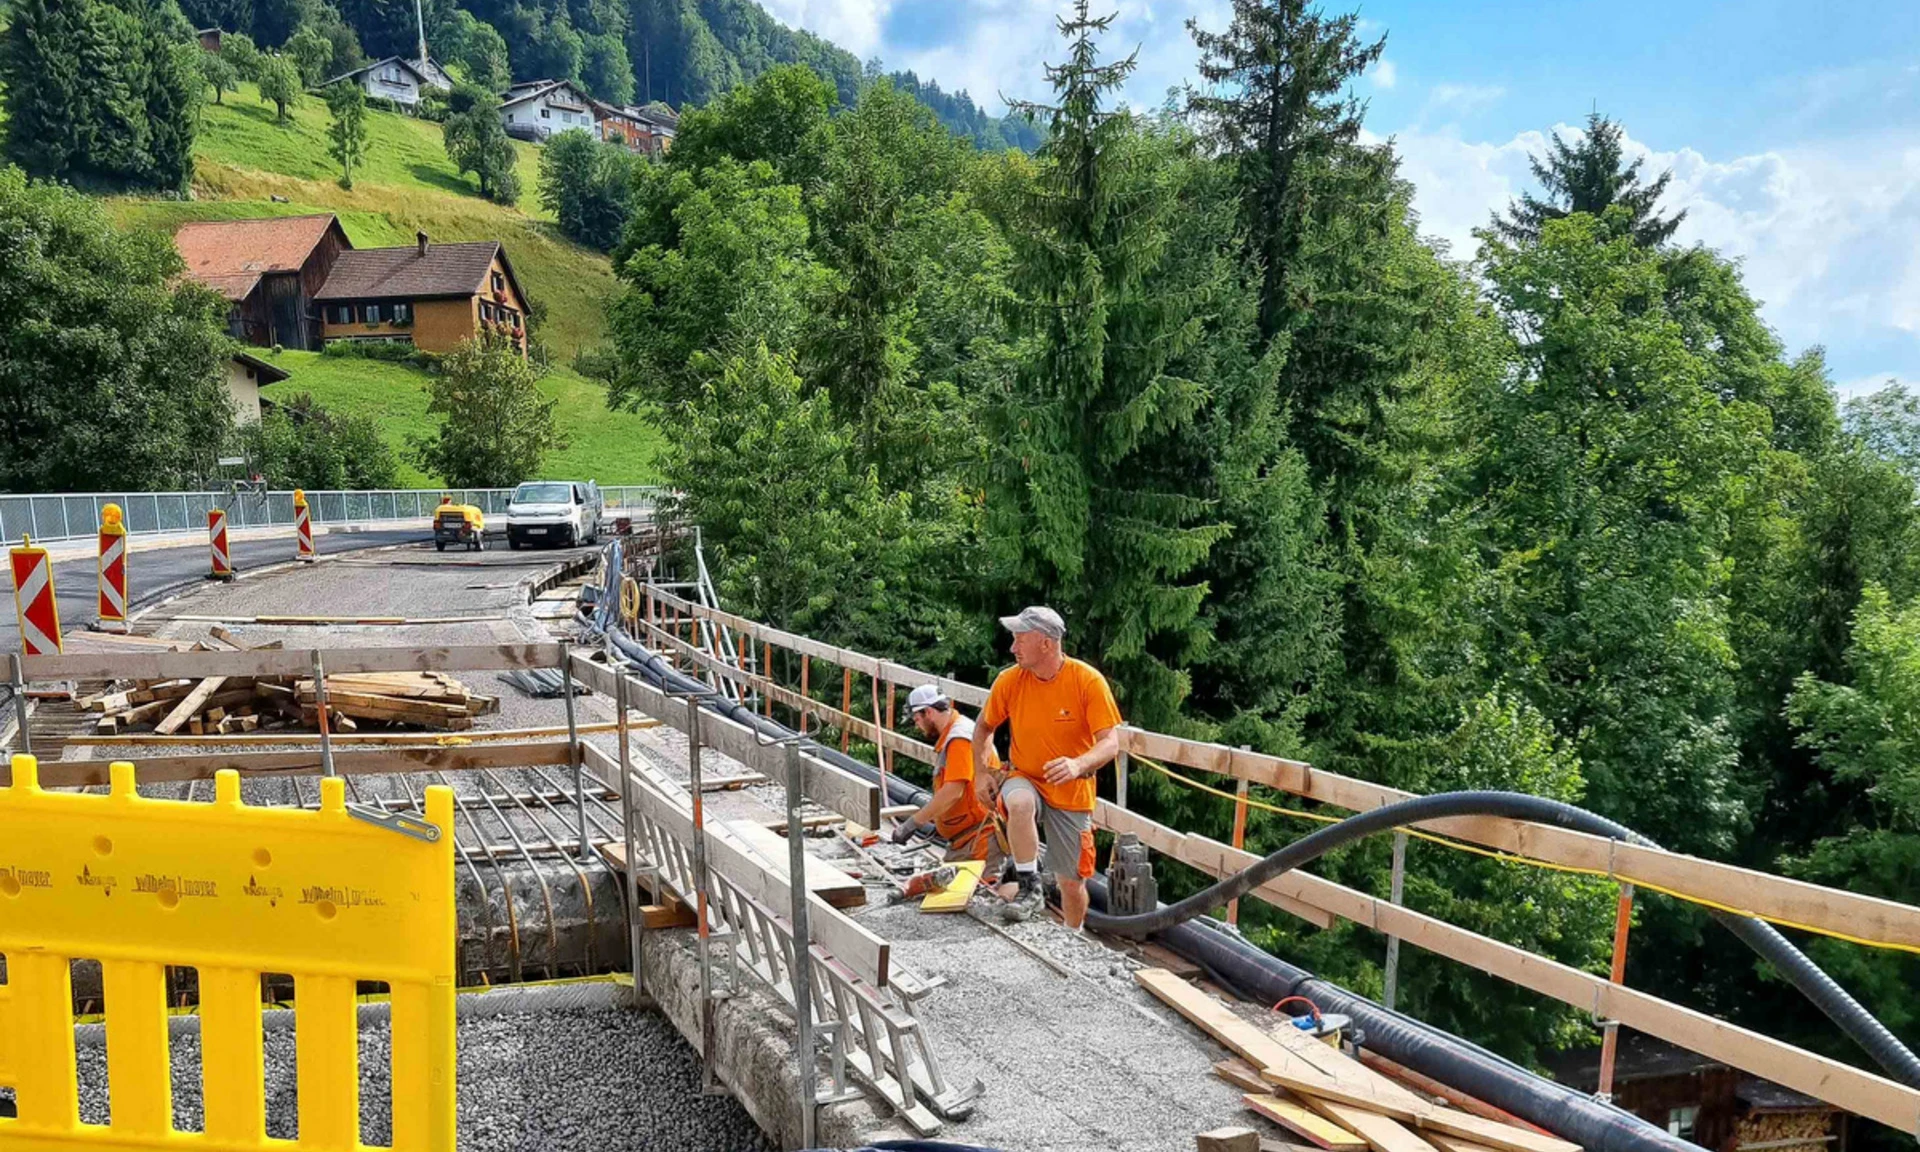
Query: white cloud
column 855, row 25
column 1384, row 74
column 1461, row 99
column 1828, row 235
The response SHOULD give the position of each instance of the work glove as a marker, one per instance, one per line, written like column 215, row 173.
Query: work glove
column 904, row 831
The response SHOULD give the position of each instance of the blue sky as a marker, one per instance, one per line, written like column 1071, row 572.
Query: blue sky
column 1793, row 129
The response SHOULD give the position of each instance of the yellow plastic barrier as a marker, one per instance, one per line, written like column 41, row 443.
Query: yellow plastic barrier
column 234, row 892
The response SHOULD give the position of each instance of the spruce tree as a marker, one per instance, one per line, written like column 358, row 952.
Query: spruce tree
column 1591, row 175
column 1091, row 516
column 46, row 67
column 1273, row 109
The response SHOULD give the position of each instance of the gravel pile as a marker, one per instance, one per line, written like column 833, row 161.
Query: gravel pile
column 572, row 1079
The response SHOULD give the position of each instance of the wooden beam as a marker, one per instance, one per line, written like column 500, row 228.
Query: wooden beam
column 849, row 942
column 1791, row 902
column 291, row 662
column 479, row 735
column 348, row 761
column 189, row 704
column 828, row 714
column 856, row 799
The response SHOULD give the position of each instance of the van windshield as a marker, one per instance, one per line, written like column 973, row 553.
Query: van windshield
column 543, row 493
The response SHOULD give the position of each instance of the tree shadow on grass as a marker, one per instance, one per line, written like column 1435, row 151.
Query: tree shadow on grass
column 441, row 178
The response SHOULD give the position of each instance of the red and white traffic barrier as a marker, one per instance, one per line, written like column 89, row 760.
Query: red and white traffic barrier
column 217, row 545
column 302, row 526
column 113, row 567
column 33, row 600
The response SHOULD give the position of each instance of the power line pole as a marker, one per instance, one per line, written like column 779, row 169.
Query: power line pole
column 420, row 21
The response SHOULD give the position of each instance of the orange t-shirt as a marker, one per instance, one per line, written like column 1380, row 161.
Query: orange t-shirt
column 957, row 746
column 1051, row 718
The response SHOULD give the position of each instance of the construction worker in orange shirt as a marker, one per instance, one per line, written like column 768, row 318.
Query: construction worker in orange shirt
column 1063, row 726
column 961, row 810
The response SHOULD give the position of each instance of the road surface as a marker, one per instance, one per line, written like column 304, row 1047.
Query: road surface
column 153, row 573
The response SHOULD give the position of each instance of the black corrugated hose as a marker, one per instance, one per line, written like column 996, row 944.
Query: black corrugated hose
column 1264, row 977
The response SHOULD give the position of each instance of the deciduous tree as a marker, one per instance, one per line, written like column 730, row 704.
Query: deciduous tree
column 477, row 142
column 280, row 85
column 495, row 426
column 348, row 134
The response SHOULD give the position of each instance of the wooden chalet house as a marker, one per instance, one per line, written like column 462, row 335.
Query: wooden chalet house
column 429, row 295
column 269, row 270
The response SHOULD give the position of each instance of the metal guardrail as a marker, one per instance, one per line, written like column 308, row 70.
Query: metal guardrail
column 76, row 515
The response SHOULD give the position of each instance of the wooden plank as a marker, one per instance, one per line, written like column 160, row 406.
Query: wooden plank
column 143, row 665
column 1250, row 1042
column 1380, row 1133
column 864, row 953
column 1227, row 1140
column 823, row 879
column 476, row 736
column 190, row 705
column 1428, row 1086
column 954, row 897
column 1776, row 897
column 347, row 761
column 1303, row 1122
column 856, row 799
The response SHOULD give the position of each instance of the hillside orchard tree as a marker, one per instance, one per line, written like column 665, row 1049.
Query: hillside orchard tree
column 279, row 85
column 312, row 53
column 237, row 48
column 1591, row 174
column 218, row 73
column 348, row 133
column 495, row 426
column 112, row 362
column 477, row 142
column 299, row 444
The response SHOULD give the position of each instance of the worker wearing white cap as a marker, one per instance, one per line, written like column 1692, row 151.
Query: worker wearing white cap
column 961, row 810
column 1063, row 726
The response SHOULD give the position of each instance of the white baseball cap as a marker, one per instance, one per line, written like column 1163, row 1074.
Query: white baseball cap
column 925, row 696
column 1037, row 618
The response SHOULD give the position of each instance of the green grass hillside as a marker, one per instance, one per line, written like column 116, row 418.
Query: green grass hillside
column 611, row 447
column 244, row 160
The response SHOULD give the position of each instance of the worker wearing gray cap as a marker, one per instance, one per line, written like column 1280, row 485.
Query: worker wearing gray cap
column 961, row 810
column 1063, row 727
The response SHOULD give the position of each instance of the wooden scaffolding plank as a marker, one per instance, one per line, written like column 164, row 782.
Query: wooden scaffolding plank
column 143, row 665
column 823, row 879
column 355, row 761
column 1303, row 1122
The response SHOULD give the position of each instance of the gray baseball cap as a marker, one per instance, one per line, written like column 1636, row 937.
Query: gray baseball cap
column 925, row 696
column 1037, row 618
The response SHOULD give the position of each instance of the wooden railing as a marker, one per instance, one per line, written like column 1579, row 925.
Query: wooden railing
column 666, row 621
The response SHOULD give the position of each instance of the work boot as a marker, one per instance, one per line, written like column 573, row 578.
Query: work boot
column 1027, row 902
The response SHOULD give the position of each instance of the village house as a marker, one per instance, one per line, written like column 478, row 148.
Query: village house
column 398, row 79
column 644, row 130
column 536, row 109
column 246, row 375
column 268, row 269
column 429, row 295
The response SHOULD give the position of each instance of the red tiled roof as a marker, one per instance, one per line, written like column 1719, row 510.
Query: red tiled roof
column 230, row 256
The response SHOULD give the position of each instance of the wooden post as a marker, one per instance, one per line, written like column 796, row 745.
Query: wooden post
column 806, row 666
column 766, row 670
column 846, row 709
column 1239, row 838
column 879, row 742
column 1610, row 1034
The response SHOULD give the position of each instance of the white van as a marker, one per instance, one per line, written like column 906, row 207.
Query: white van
column 558, row 512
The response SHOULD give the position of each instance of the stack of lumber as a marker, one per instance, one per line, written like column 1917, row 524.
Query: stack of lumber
column 224, row 705
column 1321, row 1096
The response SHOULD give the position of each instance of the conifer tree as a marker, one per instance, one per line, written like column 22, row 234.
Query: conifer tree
column 1590, row 175
column 1092, row 517
column 1273, row 109
column 44, row 68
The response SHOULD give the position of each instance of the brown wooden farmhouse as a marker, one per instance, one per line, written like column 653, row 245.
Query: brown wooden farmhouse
column 429, row 295
column 269, row 270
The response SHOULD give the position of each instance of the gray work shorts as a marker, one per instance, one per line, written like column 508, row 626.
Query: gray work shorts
column 1068, row 835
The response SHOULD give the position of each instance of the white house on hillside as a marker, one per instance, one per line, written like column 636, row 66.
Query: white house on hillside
column 398, row 79
column 537, row 109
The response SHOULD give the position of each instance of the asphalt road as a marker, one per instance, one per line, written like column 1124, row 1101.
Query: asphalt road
column 158, row 572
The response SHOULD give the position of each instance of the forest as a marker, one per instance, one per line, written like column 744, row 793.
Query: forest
column 1558, row 515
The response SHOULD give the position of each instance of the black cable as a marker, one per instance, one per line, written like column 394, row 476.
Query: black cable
column 1840, row 1007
